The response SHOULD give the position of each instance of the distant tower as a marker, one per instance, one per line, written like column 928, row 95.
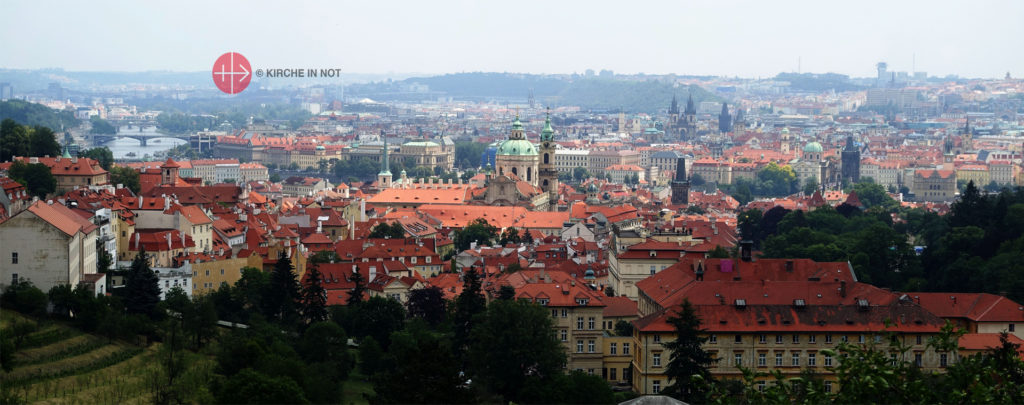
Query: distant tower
column 672, row 125
column 169, row 172
column 784, row 141
column 531, row 98
column 384, row 177
column 724, row 120
column 680, row 185
column 967, row 139
column 851, row 161
column 739, row 125
column 883, row 75
column 546, row 172
column 689, row 130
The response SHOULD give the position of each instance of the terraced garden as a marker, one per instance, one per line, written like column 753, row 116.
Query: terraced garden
column 57, row 364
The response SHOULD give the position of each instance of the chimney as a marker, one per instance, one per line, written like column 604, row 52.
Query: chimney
column 137, row 236
column 182, row 234
column 168, row 237
column 319, row 226
column 140, row 202
column 746, row 250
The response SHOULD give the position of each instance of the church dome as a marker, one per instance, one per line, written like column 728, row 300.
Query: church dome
column 813, row 147
column 517, row 147
column 785, row 131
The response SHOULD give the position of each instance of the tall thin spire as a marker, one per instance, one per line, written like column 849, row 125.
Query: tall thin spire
column 385, row 165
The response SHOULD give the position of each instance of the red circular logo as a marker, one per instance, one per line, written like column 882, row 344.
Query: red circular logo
column 232, row 73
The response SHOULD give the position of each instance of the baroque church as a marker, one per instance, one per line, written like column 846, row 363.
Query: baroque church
column 525, row 173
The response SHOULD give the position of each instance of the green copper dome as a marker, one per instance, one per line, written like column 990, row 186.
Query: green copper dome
column 547, row 134
column 516, row 124
column 517, row 147
column 813, row 147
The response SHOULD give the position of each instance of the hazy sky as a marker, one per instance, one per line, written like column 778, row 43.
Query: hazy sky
column 751, row 39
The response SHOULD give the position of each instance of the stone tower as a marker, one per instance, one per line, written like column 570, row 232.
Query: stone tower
column 680, row 184
column 851, row 161
column 384, row 177
column 546, row 173
column 689, row 125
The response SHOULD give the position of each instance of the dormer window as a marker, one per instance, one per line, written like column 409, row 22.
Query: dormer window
column 582, row 301
column 542, row 301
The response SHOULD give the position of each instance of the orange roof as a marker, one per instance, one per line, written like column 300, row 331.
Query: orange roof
column 442, row 195
column 977, row 307
column 61, row 217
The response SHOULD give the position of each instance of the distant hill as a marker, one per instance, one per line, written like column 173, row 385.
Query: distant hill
column 590, row 93
column 31, row 114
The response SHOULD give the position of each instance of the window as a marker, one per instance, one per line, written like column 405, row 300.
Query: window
column 796, row 359
column 590, row 323
column 845, row 339
column 713, row 339
column 778, row 359
column 778, row 339
column 656, row 386
column 762, row 339
column 207, row 272
column 812, row 359
column 737, row 359
column 14, row 257
column 656, row 359
column 652, row 270
column 1011, row 327
column 812, row 339
column 554, row 313
column 739, row 339
column 579, row 346
column 611, row 374
column 917, row 359
column 943, row 359
column 761, row 386
column 828, row 361
column 612, row 348
column 828, row 338
column 544, row 302
column 579, row 322
column 565, row 335
column 14, row 279
column 222, row 272
column 395, row 296
column 762, row 360
column 860, row 339
column 565, row 313
column 918, row 339
column 828, row 386
column 625, row 348
column 657, row 338
column 590, row 346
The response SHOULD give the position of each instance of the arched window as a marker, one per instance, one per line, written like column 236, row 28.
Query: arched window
column 545, row 183
column 546, row 159
column 529, row 174
column 515, row 171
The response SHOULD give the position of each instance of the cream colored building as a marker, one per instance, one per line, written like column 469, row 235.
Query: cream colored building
column 47, row 244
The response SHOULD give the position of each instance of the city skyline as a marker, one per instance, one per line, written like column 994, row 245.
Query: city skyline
column 749, row 40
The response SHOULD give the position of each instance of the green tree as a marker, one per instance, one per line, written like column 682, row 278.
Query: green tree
column 377, row 317
column 14, row 140
column 101, row 126
column 479, row 231
column 44, row 142
column 811, row 185
column 358, row 289
column 141, row 287
column 314, row 297
column 468, row 305
column 425, row 371
column 126, row 176
column 427, row 304
column 36, row 177
column 103, row 258
column 284, row 292
column 511, row 235
column 371, row 356
column 623, row 328
column 579, row 174
column 513, row 343
column 688, row 364
column 24, row 297
column 383, row 230
column 252, row 387
column 275, row 178
column 527, row 238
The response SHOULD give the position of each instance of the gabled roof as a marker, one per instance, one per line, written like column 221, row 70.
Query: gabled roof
column 61, row 217
column 978, row 307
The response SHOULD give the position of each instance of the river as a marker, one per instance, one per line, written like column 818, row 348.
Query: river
column 121, row 147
